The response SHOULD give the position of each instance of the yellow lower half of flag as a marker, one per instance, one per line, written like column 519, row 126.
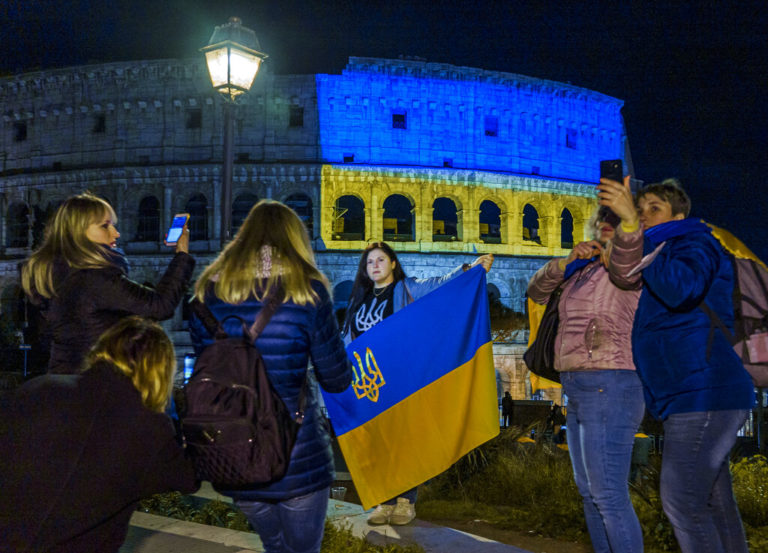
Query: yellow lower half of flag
column 541, row 383
column 425, row 433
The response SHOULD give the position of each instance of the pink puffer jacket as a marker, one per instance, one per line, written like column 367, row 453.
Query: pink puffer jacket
column 596, row 310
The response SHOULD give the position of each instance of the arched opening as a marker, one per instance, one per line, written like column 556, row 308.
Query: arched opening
column 341, row 293
column 445, row 220
column 148, row 222
column 241, row 207
column 566, row 229
column 398, row 219
column 17, row 226
column 197, row 207
column 531, row 224
column 302, row 205
column 490, row 223
column 349, row 219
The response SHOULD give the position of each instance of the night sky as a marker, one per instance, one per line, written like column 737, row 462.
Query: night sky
column 692, row 75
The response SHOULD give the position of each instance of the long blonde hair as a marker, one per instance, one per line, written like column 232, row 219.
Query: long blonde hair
column 141, row 350
column 273, row 244
column 65, row 238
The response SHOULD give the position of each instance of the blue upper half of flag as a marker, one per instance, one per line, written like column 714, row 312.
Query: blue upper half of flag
column 414, row 347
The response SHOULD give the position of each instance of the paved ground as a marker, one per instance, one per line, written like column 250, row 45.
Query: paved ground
column 155, row 534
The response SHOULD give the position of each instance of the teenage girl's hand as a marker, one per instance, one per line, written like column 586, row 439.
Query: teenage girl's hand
column 618, row 197
column 183, row 244
column 485, row 260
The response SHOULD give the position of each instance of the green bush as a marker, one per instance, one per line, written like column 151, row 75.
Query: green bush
column 529, row 487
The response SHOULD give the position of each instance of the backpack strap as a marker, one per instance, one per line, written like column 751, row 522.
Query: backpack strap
column 269, row 306
column 716, row 322
column 210, row 322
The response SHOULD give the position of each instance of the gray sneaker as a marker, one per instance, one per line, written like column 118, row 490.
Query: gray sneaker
column 403, row 513
column 381, row 514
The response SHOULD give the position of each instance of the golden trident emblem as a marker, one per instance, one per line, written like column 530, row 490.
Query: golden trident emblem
column 369, row 380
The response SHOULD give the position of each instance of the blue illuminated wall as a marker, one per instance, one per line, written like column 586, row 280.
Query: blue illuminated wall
column 407, row 112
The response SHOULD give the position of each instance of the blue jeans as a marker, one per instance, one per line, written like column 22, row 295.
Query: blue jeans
column 696, row 488
column 292, row 525
column 605, row 408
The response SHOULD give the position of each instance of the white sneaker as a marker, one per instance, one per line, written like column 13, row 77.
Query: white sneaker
column 381, row 514
column 403, row 513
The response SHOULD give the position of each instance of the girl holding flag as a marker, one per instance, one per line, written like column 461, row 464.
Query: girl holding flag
column 381, row 288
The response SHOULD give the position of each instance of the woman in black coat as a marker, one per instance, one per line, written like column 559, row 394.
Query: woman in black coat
column 81, row 281
column 80, row 451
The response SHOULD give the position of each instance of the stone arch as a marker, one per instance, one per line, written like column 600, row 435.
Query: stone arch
column 348, row 218
column 148, row 220
column 445, row 219
column 17, row 221
column 494, row 294
column 197, row 207
column 301, row 203
column 341, row 293
column 566, row 229
column 241, row 207
column 398, row 218
column 531, row 224
column 490, row 221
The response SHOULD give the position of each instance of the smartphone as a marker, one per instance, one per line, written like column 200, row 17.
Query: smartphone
column 612, row 169
column 177, row 226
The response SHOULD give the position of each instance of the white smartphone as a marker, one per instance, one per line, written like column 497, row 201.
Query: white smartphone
column 177, row 227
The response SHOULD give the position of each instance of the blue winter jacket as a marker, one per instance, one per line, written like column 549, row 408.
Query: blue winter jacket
column 681, row 368
column 295, row 334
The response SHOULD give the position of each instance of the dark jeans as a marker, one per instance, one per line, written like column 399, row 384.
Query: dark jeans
column 293, row 525
column 696, row 488
column 410, row 495
column 605, row 409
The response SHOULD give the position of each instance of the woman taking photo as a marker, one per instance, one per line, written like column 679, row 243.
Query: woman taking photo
column 80, row 451
column 593, row 353
column 380, row 289
column 81, row 282
column 694, row 380
column 271, row 256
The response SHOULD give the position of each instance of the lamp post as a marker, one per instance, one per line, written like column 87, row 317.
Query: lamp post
column 233, row 59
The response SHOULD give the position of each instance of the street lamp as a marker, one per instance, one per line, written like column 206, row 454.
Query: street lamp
column 233, row 59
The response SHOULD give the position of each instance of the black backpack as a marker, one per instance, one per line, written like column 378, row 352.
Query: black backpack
column 540, row 355
column 236, row 428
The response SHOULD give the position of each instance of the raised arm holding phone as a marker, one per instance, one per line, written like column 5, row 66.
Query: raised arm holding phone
column 80, row 280
column 594, row 358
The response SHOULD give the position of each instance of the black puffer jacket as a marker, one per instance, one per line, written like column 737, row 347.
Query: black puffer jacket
column 295, row 334
column 89, row 301
column 79, row 452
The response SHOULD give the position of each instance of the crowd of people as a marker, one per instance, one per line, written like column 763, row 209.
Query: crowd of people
column 90, row 439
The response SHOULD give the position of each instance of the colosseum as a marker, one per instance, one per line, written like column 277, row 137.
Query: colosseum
column 443, row 162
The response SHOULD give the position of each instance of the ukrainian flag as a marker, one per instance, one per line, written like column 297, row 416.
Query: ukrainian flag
column 424, row 392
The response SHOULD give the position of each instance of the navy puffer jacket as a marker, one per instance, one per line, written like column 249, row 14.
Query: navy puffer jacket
column 295, row 334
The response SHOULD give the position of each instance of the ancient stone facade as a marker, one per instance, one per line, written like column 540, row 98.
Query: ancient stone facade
column 444, row 162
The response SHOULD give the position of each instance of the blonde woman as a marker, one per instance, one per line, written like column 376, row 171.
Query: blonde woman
column 81, row 280
column 271, row 255
column 81, row 450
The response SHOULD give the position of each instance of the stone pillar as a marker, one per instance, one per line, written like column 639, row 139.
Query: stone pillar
column 216, row 209
column 470, row 222
column 422, row 217
column 374, row 224
column 167, row 211
column 548, row 232
column 581, row 231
